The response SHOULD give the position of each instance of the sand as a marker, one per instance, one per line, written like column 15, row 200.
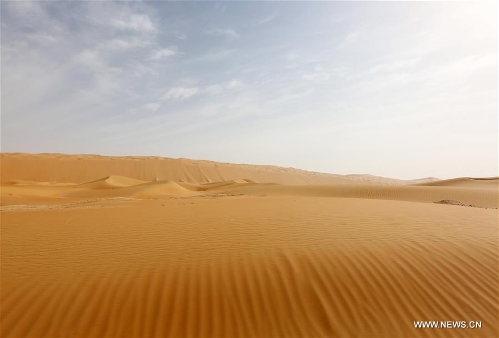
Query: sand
column 62, row 168
column 121, row 247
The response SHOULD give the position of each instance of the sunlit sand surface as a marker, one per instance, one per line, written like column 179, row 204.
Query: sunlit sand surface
column 120, row 247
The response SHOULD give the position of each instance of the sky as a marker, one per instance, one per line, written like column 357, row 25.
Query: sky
column 397, row 89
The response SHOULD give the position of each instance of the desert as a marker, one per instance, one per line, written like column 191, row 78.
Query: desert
column 183, row 248
column 249, row 169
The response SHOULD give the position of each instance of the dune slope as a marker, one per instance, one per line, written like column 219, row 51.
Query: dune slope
column 85, row 168
column 466, row 182
column 248, row 267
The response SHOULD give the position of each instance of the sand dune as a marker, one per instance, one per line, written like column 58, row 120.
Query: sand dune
column 108, row 187
column 114, row 181
column 132, row 254
column 466, row 182
column 144, row 190
column 85, row 168
column 483, row 198
column 118, row 186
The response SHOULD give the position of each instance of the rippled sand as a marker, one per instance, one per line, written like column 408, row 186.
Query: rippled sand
column 127, row 257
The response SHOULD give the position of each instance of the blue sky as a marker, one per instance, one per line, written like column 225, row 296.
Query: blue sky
column 398, row 89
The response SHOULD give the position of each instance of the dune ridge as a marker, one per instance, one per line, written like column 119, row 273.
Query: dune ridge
column 85, row 168
column 466, row 182
column 482, row 198
column 113, row 181
column 115, row 186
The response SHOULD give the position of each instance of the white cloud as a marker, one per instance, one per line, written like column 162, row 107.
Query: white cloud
column 163, row 53
column 139, row 70
column 317, row 76
column 43, row 38
column 90, row 58
column 215, row 56
column 228, row 33
column 351, row 38
column 221, row 7
column 470, row 64
column 234, row 84
column 264, row 20
column 106, row 78
column 32, row 14
column 215, row 89
column 218, row 89
column 290, row 94
column 181, row 36
column 293, row 55
column 384, row 69
column 180, row 93
column 124, row 44
column 189, row 81
column 137, row 23
column 343, row 72
column 152, row 107
column 396, row 65
column 33, row 10
column 444, row 76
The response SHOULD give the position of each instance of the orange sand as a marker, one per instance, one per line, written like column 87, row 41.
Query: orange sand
column 110, row 247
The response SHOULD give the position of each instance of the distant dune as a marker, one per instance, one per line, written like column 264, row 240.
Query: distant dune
column 119, row 186
column 466, row 182
column 84, row 168
column 114, row 181
column 148, row 247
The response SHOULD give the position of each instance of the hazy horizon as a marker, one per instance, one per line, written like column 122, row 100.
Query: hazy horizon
column 401, row 90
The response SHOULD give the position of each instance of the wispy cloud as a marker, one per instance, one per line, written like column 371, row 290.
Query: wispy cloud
column 152, row 107
column 140, row 70
column 234, row 84
column 221, row 7
column 180, row 93
column 470, row 64
column 163, row 53
column 393, row 66
column 293, row 55
column 351, row 38
column 35, row 15
column 136, row 22
column 181, row 36
column 43, row 38
column 124, row 44
column 220, row 88
column 229, row 33
column 264, row 20
column 383, row 69
column 319, row 74
column 189, row 82
column 212, row 56
column 90, row 58
column 106, row 78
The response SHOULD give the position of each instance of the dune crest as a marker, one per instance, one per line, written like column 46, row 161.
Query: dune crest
column 466, row 182
column 86, row 168
column 115, row 186
column 126, row 187
column 113, row 181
